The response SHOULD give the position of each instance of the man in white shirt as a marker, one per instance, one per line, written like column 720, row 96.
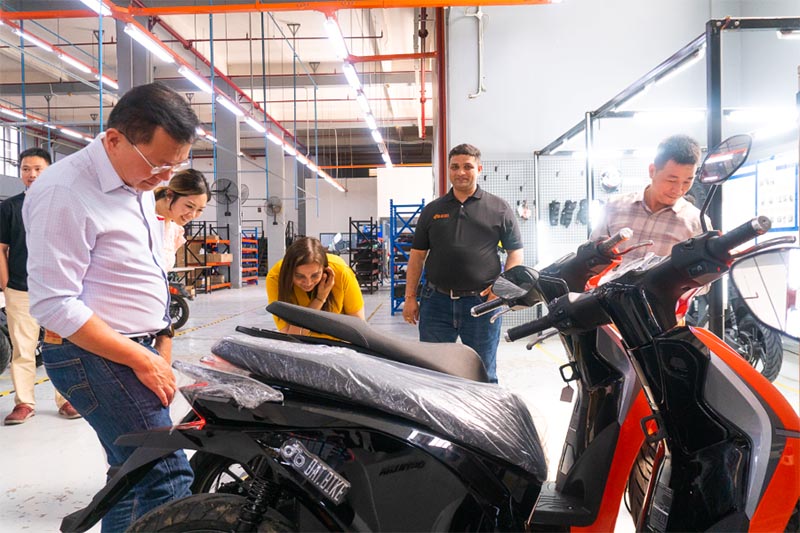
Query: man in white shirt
column 97, row 282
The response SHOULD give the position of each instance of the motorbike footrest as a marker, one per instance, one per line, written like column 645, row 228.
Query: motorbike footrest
column 553, row 507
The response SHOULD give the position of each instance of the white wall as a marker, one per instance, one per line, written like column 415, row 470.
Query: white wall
column 403, row 185
column 336, row 208
column 546, row 65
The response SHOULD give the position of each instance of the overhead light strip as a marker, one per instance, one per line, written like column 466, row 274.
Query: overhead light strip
column 150, row 42
column 351, row 75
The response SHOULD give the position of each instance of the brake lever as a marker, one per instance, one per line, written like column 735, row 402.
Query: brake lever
column 636, row 246
column 788, row 239
column 498, row 315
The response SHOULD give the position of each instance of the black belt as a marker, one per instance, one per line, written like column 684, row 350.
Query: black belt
column 147, row 340
column 455, row 293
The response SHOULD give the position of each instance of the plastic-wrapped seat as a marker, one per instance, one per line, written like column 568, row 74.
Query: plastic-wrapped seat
column 484, row 416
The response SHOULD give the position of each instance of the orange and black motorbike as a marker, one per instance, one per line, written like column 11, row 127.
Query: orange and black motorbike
column 334, row 439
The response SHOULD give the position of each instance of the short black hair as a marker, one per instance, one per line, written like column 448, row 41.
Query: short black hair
column 145, row 107
column 35, row 152
column 465, row 149
column 682, row 149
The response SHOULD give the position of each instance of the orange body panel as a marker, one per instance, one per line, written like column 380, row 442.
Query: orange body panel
column 760, row 384
column 783, row 491
column 630, row 441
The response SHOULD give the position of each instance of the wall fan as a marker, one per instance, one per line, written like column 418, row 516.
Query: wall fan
column 274, row 206
column 225, row 192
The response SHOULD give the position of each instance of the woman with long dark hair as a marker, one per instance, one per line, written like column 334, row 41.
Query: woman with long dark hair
column 177, row 204
column 309, row 276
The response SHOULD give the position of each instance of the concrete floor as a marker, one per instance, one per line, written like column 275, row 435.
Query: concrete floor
column 51, row 467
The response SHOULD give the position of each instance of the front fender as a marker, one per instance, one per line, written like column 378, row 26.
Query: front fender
column 151, row 446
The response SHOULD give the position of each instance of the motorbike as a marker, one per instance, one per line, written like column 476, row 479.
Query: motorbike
column 335, row 439
column 758, row 345
column 178, row 305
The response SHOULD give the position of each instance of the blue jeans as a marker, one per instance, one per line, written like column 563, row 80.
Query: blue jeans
column 114, row 402
column 442, row 319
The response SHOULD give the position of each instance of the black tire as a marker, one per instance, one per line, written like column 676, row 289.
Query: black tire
column 203, row 512
column 220, row 475
column 639, row 478
column 5, row 350
column 178, row 311
column 761, row 347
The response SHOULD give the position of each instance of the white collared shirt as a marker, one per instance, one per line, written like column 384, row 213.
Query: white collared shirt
column 94, row 246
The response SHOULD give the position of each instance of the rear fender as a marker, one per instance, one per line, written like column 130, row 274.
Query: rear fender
column 151, row 446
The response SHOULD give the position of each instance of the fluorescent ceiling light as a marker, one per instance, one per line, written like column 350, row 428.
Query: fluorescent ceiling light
column 761, row 114
column 274, row 138
column 253, row 123
column 230, row 106
column 370, row 120
column 688, row 63
column 376, row 135
column 387, row 159
column 145, row 40
column 289, row 150
column 200, row 131
column 68, row 59
column 97, row 6
column 196, row 79
column 336, row 39
column 352, row 76
column 719, row 158
column 789, row 34
column 33, row 40
column 303, row 160
column 363, row 102
column 12, row 113
column 312, row 167
column 210, row 137
column 109, row 82
column 72, row 133
column 677, row 115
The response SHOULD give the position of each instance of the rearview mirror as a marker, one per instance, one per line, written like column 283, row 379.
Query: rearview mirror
column 724, row 160
column 768, row 282
column 516, row 285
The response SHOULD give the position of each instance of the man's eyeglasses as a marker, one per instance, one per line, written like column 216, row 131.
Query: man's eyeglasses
column 161, row 168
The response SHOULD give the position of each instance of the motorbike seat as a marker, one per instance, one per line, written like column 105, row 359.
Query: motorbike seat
column 482, row 415
column 450, row 358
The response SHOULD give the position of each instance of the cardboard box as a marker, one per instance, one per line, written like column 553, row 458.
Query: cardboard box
column 219, row 258
column 216, row 279
column 189, row 253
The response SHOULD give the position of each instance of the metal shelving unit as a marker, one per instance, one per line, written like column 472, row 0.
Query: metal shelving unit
column 402, row 224
column 365, row 256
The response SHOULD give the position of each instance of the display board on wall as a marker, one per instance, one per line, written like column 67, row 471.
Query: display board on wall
column 767, row 187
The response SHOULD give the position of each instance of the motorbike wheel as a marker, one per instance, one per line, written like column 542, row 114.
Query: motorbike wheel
column 206, row 513
column 5, row 350
column 178, row 311
column 761, row 347
column 639, row 478
column 220, row 475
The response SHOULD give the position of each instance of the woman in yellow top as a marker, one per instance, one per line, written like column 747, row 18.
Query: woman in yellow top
column 309, row 276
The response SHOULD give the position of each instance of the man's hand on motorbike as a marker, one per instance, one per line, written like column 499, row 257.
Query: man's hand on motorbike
column 488, row 291
column 411, row 311
column 155, row 374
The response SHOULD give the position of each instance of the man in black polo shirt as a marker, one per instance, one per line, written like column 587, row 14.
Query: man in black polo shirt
column 459, row 234
column 22, row 327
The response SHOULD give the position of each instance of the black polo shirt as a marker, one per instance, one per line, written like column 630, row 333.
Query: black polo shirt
column 462, row 239
column 12, row 233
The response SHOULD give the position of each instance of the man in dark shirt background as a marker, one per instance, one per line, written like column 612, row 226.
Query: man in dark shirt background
column 456, row 241
column 22, row 327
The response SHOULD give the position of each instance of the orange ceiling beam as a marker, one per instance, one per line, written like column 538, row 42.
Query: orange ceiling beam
column 327, row 7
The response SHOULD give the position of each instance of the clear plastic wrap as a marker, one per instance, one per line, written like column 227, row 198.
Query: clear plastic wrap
column 230, row 383
column 484, row 416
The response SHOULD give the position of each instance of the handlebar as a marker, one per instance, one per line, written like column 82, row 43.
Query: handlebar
column 606, row 247
column 485, row 307
column 524, row 330
column 721, row 246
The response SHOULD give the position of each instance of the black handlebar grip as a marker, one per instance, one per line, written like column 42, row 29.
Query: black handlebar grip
column 722, row 245
column 525, row 330
column 485, row 307
column 607, row 245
